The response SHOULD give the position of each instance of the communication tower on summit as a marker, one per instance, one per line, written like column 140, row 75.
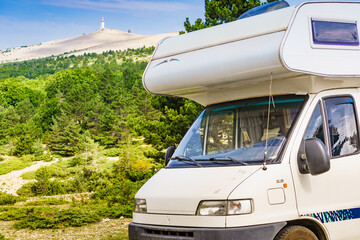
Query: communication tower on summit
column 102, row 26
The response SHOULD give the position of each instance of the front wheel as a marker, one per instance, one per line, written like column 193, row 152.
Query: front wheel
column 296, row 233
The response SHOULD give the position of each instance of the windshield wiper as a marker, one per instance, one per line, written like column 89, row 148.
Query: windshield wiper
column 185, row 158
column 226, row 158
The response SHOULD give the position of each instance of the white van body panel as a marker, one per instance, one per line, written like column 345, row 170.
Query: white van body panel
column 272, row 201
column 235, row 69
column 180, row 220
column 299, row 54
column 332, row 192
column 183, row 188
column 226, row 33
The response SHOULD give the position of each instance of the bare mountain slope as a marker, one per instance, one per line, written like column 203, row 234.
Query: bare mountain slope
column 97, row 42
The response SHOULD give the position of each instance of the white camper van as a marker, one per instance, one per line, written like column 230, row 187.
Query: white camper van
column 275, row 154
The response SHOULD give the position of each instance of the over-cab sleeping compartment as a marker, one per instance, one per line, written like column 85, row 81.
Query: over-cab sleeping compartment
column 301, row 49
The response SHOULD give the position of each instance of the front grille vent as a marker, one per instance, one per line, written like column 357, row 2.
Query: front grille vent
column 170, row 233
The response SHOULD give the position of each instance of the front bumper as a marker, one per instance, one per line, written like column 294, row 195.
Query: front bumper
column 150, row 232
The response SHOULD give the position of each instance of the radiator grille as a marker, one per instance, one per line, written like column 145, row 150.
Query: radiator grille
column 170, row 233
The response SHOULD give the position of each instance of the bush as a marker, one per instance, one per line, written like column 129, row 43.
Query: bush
column 2, row 237
column 122, row 193
column 115, row 211
column 27, row 158
column 14, row 214
column 76, row 161
column 6, row 199
column 44, row 157
column 25, row 190
column 113, row 152
column 48, row 201
column 43, row 185
column 60, row 219
column 28, row 175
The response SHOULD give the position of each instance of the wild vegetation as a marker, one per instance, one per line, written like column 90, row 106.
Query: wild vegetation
column 92, row 115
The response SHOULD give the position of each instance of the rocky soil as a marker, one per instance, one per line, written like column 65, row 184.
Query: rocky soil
column 12, row 181
column 107, row 229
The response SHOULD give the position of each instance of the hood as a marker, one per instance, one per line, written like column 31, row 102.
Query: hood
column 179, row 190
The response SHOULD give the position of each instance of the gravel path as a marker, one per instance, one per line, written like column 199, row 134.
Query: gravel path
column 12, row 181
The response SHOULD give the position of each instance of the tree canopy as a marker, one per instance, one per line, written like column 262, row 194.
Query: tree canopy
column 221, row 11
column 94, row 97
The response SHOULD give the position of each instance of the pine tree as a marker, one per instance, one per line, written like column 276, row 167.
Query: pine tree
column 64, row 138
column 221, row 11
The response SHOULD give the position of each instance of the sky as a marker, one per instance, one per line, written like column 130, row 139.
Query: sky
column 28, row 22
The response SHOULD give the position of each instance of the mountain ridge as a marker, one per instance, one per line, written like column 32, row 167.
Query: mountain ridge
column 95, row 42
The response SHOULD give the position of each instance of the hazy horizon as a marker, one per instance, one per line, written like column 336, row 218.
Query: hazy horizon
column 29, row 22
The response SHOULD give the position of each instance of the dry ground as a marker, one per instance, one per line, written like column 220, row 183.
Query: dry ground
column 107, row 229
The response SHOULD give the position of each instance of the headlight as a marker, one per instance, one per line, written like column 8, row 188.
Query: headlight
column 212, row 208
column 223, row 208
column 140, row 206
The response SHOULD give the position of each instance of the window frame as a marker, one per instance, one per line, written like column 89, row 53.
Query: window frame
column 332, row 46
column 328, row 145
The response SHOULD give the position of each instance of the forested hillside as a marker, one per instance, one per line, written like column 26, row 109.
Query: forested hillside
column 92, row 118
column 65, row 102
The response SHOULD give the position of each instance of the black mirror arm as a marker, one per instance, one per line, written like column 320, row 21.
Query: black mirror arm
column 168, row 154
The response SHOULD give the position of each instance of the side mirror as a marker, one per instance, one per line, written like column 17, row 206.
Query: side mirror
column 317, row 157
column 168, row 153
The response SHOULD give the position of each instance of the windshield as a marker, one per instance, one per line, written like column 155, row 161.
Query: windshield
column 236, row 133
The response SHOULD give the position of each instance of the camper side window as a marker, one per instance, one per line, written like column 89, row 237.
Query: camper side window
column 343, row 131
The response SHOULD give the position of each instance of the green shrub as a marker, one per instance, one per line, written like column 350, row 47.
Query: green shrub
column 27, row 158
column 113, row 152
column 76, row 161
column 6, row 199
column 37, row 148
column 2, row 237
column 48, row 201
column 46, row 157
column 48, row 188
column 122, row 194
column 28, row 175
column 14, row 214
column 115, row 211
column 4, row 150
column 62, row 218
column 26, row 190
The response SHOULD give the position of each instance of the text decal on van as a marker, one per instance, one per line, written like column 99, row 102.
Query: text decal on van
column 337, row 215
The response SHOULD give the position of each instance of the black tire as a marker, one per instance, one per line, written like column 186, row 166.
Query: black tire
column 296, row 233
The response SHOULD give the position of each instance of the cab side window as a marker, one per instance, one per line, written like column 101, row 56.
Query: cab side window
column 315, row 127
column 343, row 131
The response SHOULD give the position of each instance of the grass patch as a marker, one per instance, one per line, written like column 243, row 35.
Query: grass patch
column 8, row 199
column 13, row 164
column 28, row 175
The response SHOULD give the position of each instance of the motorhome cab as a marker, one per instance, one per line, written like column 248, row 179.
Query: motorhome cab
column 275, row 154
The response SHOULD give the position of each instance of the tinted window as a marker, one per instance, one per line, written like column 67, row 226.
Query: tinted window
column 335, row 33
column 315, row 127
column 343, row 131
